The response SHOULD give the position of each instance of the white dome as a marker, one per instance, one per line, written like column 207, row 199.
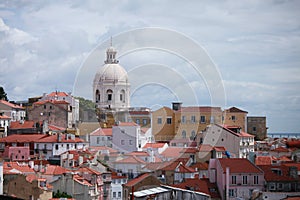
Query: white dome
column 111, row 72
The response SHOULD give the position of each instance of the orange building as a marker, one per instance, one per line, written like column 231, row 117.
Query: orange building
column 235, row 117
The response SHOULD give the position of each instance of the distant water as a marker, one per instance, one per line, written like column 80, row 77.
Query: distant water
column 284, row 135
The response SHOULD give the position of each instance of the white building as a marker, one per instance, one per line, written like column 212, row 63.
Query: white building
column 238, row 144
column 1, row 177
column 15, row 112
column 111, row 88
column 101, row 137
column 55, row 145
column 4, row 123
column 116, row 186
column 128, row 137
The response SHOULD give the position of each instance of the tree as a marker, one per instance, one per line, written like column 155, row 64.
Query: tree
column 3, row 95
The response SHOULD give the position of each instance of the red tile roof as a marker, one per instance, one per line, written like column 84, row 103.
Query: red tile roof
column 22, row 138
column 271, row 173
column 219, row 149
column 293, row 143
column 172, row 152
column 55, row 128
column 4, row 117
column 16, row 168
column 238, row 165
column 102, row 132
column 23, row 125
column 55, row 170
column 131, row 160
column 55, row 102
column 194, row 184
column 199, row 166
column 87, row 170
column 137, row 153
column 15, row 106
column 81, row 180
column 59, row 94
column 154, row 145
column 264, row 160
column 137, row 180
column 54, row 139
column 281, row 149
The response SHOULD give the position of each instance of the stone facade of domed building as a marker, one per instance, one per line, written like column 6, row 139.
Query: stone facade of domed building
column 111, row 91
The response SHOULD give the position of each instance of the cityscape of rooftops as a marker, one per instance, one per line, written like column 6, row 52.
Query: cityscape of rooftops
column 111, row 96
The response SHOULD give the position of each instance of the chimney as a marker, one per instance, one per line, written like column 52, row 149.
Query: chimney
column 176, row 105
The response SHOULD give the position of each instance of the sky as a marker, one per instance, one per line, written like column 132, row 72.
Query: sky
column 253, row 48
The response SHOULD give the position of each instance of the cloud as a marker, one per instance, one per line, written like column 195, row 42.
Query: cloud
column 255, row 45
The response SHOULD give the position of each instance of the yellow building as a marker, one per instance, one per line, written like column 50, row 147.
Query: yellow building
column 235, row 117
column 183, row 122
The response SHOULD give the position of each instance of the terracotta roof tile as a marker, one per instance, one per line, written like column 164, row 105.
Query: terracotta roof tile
column 264, row 160
column 127, row 124
column 23, row 138
column 55, row 102
column 281, row 149
column 136, row 180
column 172, row 152
column 16, row 168
column 238, row 165
column 200, row 166
column 272, row 173
column 137, row 153
column 55, row 170
column 154, row 145
column 59, row 94
column 194, row 184
column 4, row 117
column 15, row 106
column 102, row 132
column 131, row 160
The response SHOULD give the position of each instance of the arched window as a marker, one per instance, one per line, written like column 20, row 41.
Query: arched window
column 97, row 96
column 109, row 93
column 183, row 134
column 122, row 95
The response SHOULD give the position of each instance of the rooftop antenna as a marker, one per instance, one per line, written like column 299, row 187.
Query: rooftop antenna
column 111, row 41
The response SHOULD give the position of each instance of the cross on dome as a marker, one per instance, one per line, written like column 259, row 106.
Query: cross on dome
column 111, row 54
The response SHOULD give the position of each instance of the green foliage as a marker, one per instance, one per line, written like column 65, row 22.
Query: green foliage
column 3, row 95
column 86, row 104
column 58, row 194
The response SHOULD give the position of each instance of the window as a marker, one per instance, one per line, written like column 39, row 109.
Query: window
column 233, row 180
column 193, row 119
column 231, row 192
column 159, row 120
column 121, row 97
column 50, row 107
column 212, row 119
column 255, row 180
column 45, row 106
column 202, row 119
column 68, row 146
column 114, row 195
column 169, row 120
column 245, row 181
column 144, row 121
column 122, row 142
column 119, row 194
column 183, row 134
column 98, row 140
column 254, row 128
column 56, row 147
column 183, row 119
column 109, row 97
column 193, row 134
column 137, row 121
column 130, row 142
column 233, row 118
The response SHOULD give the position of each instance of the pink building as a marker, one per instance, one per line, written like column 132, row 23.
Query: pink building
column 16, row 153
column 235, row 177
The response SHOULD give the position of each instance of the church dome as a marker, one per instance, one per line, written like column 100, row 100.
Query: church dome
column 112, row 72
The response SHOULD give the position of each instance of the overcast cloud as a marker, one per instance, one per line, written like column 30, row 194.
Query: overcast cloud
column 254, row 44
